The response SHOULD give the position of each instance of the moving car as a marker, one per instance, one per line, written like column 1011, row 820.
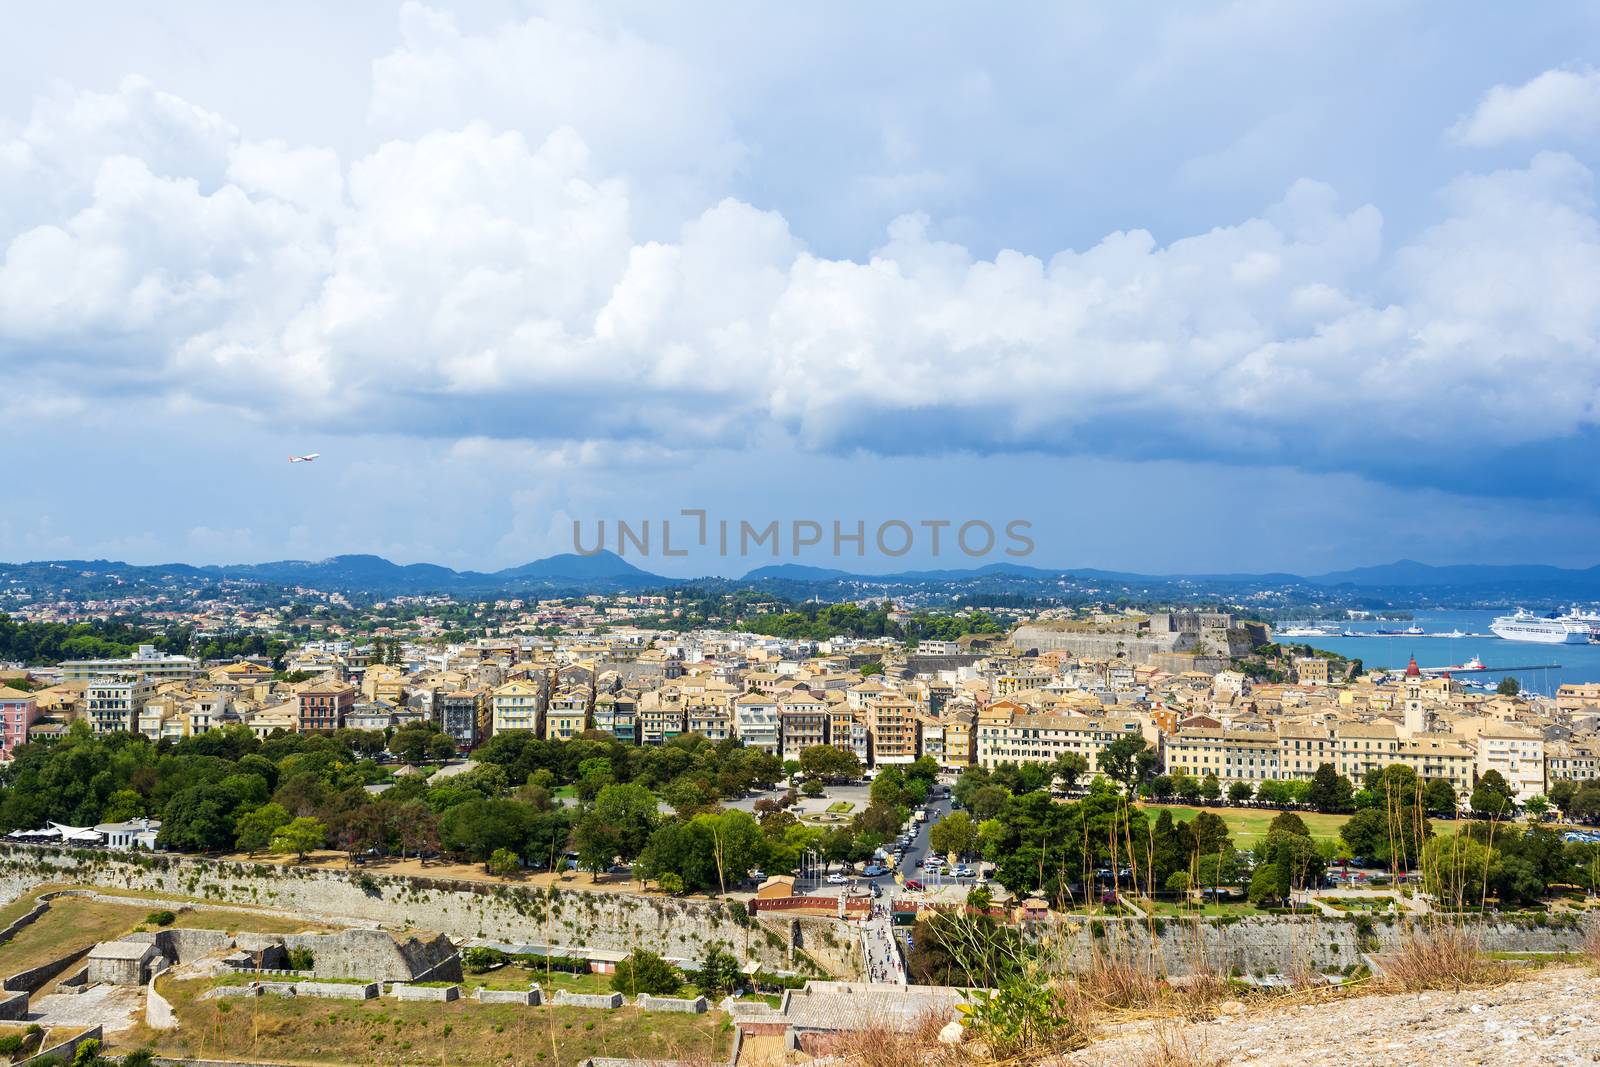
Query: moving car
column 836, row 878
column 873, row 871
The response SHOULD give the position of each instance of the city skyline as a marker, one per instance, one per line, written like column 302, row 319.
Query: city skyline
column 1247, row 288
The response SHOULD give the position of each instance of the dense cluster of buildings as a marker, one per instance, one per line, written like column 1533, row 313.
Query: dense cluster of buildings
column 976, row 702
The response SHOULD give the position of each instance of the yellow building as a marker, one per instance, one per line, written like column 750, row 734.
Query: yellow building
column 517, row 705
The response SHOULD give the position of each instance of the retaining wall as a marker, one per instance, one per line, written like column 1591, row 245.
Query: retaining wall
column 531, row 996
column 33, row 979
column 587, row 1000
column 402, row 991
column 560, row 918
column 62, row 1052
column 1278, row 944
column 33, row 913
column 686, row 1005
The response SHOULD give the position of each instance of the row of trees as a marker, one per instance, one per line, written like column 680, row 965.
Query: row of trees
column 42, row 643
column 818, row 622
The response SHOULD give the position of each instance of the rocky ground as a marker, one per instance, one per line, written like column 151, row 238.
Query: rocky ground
column 1550, row 1016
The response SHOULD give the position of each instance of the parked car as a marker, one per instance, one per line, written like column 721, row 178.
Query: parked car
column 915, row 886
column 873, row 871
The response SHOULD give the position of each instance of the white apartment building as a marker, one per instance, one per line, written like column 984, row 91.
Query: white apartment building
column 113, row 704
column 1518, row 754
column 756, row 723
column 159, row 667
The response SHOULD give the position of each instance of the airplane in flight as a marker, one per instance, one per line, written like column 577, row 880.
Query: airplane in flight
column 307, row 458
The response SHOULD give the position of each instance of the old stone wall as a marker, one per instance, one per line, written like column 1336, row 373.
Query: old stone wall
column 561, row 919
column 1284, row 944
column 533, row 995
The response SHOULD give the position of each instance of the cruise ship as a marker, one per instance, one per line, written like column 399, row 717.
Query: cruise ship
column 1526, row 626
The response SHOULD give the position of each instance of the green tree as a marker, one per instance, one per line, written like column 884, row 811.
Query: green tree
column 300, row 836
column 645, row 972
column 1240, row 792
column 503, row 862
column 1128, row 761
column 1330, row 791
column 1289, row 822
column 1265, row 884
column 719, row 972
column 1068, row 768
column 955, row 834
column 630, row 810
column 198, row 819
column 1492, row 795
column 1210, row 788
column 987, row 802
column 829, row 762
column 597, row 843
column 1455, row 869
column 1439, row 798
column 478, row 827
column 1508, row 687
column 122, row 806
column 254, row 830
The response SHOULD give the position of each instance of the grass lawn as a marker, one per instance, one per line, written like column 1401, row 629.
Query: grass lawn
column 70, row 924
column 1249, row 825
column 382, row 1032
column 1171, row 909
column 841, row 807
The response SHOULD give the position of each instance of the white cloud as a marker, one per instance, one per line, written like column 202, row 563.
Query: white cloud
column 648, row 114
column 493, row 277
column 1557, row 103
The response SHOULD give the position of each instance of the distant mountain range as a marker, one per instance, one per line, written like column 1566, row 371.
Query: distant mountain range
column 608, row 572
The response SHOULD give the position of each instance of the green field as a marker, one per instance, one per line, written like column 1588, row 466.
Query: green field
column 1249, row 825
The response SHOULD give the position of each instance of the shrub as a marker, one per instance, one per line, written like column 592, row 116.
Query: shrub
column 645, row 972
column 478, row 960
column 160, row 918
column 301, row 959
column 1025, row 1017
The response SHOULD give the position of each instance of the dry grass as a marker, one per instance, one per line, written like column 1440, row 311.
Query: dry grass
column 881, row 1045
column 73, row 924
column 1591, row 946
column 1120, row 983
column 1171, row 1046
column 1442, row 957
column 388, row 1033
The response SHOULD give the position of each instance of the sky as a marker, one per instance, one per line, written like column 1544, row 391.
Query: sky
column 1220, row 287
